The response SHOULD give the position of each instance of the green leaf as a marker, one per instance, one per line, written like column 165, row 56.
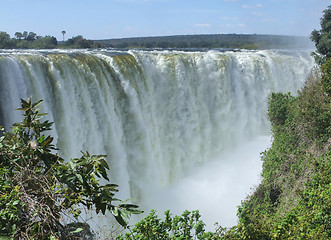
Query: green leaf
column 111, row 187
column 24, row 105
column 114, row 211
column 41, row 139
column 47, row 141
column 121, row 220
column 77, row 230
column 104, row 174
column 104, row 163
column 4, row 238
column 36, row 104
column 103, row 208
column 80, row 178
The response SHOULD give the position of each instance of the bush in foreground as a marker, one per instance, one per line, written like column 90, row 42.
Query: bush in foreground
column 41, row 195
column 187, row 226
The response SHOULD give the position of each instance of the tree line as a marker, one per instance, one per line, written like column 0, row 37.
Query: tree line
column 30, row 40
column 211, row 41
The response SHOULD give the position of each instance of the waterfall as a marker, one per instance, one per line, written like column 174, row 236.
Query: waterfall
column 160, row 116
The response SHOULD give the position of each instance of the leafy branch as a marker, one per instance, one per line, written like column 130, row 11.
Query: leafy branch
column 39, row 189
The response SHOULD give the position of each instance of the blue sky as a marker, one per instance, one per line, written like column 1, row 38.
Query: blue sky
column 103, row 19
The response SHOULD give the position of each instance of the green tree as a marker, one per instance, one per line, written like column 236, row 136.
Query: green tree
column 5, row 41
column 80, row 42
column 279, row 104
column 326, row 77
column 23, row 44
column 31, row 36
column 25, row 34
column 63, row 33
column 47, row 42
column 322, row 38
column 19, row 35
column 41, row 195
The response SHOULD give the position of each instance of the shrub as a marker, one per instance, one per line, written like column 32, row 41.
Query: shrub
column 187, row 226
column 279, row 104
column 41, row 195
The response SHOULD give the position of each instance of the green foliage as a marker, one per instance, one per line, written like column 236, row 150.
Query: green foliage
column 9, row 199
column 294, row 199
column 5, row 41
column 278, row 110
column 26, row 40
column 30, row 40
column 38, row 189
column 251, row 46
column 312, row 113
column 322, row 38
column 326, row 77
column 80, row 42
column 233, row 41
column 210, row 41
column 187, row 226
column 47, row 42
column 311, row 218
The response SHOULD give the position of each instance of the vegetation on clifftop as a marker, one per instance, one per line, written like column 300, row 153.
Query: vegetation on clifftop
column 294, row 199
column 211, row 41
column 31, row 40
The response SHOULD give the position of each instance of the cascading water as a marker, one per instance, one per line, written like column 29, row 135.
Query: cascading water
column 182, row 129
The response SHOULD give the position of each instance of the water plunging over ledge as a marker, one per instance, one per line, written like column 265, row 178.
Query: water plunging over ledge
column 182, row 130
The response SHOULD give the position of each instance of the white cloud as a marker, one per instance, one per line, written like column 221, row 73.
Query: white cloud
column 204, row 11
column 230, row 18
column 270, row 20
column 241, row 25
column 202, row 25
column 252, row 6
column 259, row 14
column 140, row 1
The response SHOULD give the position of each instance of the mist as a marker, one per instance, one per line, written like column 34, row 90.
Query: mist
column 217, row 188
